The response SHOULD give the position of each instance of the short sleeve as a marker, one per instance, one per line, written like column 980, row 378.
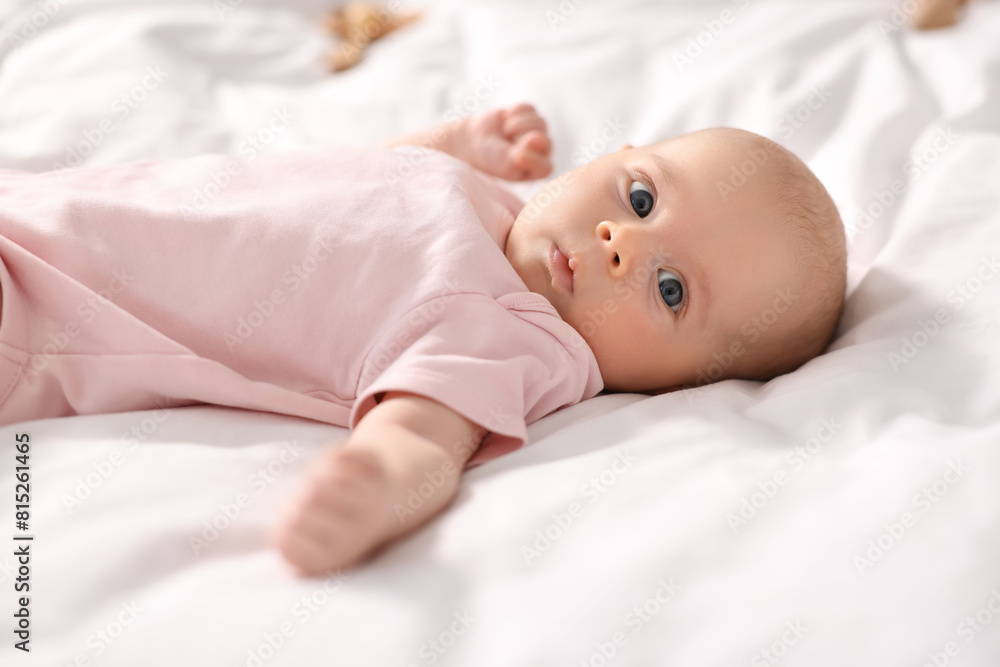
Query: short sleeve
column 496, row 366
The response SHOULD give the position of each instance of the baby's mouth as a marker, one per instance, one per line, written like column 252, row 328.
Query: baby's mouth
column 562, row 269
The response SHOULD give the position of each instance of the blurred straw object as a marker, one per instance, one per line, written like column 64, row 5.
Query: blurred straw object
column 358, row 24
column 934, row 14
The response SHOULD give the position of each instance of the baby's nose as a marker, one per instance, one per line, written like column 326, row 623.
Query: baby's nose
column 615, row 241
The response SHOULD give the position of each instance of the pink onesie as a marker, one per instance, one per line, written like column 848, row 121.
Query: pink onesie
column 305, row 282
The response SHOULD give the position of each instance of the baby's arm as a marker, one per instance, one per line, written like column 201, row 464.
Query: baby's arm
column 510, row 143
column 355, row 498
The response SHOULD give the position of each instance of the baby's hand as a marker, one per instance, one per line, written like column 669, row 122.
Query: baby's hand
column 340, row 516
column 510, row 143
column 350, row 505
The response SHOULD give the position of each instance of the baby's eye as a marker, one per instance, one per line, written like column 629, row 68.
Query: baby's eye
column 641, row 198
column 670, row 289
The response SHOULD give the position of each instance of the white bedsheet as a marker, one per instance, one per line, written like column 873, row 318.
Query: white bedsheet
column 845, row 514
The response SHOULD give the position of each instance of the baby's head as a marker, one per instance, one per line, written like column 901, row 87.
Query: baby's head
column 713, row 255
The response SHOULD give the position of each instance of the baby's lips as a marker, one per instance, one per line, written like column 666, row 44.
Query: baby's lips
column 559, row 273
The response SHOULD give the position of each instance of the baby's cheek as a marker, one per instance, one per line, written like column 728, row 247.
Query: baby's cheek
column 618, row 343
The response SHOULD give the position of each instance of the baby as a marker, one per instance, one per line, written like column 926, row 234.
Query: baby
column 663, row 258
column 712, row 255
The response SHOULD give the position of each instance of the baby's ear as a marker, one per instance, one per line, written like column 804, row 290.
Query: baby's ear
column 626, row 147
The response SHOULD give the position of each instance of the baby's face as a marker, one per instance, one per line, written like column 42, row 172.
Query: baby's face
column 641, row 252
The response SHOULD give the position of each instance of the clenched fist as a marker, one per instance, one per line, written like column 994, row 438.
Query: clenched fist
column 510, row 143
